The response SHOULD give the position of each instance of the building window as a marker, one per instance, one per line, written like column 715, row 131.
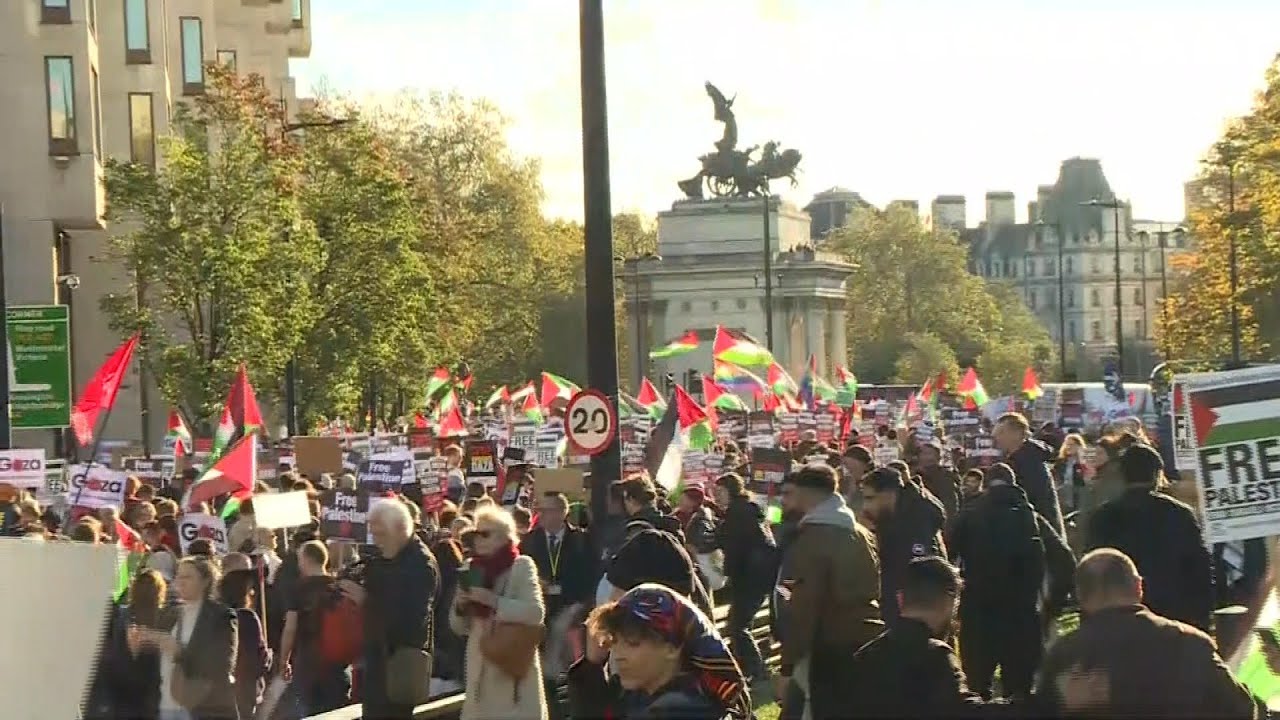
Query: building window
column 742, row 304
column 137, row 33
column 1013, row 269
column 685, row 307
column 142, row 129
column 715, row 305
column 1139, row 328
column 1071, row 331
column 60, row 90
column 1031, row 299
column 95, row 104
column 192, row 55
column 1137, row 263
column 1095, row 300
column 93, row 16
column 1137, row 296
column 297, row 13
column 1071, row 297
column 1095, row 328
column 1050, row 268
column 227, row 59
column 1068, row 267
column 1031, row 267
column 55, row 12
column 1094, row 266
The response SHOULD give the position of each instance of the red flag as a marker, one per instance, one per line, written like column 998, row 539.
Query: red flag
column 451, row 425
column 129, row 540
column 100, row 393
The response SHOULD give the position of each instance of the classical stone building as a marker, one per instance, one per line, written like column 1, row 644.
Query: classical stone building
column 1063, row 261
column 711, row 272
column 84, row 80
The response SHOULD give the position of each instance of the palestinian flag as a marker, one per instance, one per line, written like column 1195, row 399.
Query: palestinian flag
column 719, row 398
column 420, row 421
column 438, row 383
column 447, row 404
column 629, row 407
column 555, row 388
column 234, row 473
column 812, row 387
column 1236, row 414
column 451, row 423
column 971, row 389
column 240, row 415
column 650, row 400
column 731, row 377
column 531, row 409
column 780, row 381
column 739, row 349
column 518, row 396
column 689, row 426
column 1031, row 385
column 846, row 386
column 682, row 345
column 231, row 507
column 178, row 434
column 498, row 397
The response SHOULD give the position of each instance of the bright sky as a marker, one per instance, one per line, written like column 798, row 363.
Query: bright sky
column 896, row 99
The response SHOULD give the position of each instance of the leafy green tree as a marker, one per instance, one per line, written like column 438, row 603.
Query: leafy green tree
column 924, row 355
column 217, row 246
column 911, row 283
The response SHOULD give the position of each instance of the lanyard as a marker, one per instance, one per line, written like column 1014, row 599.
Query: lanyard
column 555, row 559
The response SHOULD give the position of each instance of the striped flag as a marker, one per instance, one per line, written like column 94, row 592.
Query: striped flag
column 1237, row 413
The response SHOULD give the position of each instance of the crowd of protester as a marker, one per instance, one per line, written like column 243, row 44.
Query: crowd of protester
column 920, row 588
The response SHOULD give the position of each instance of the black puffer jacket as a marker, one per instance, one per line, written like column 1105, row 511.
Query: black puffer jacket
column 915, row 530
column 1030, row 463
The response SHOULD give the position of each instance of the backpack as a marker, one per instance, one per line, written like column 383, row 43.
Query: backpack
column 341, row 632
column 1011, row 556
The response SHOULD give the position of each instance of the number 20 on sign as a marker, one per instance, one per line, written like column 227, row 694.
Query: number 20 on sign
column 590, row 421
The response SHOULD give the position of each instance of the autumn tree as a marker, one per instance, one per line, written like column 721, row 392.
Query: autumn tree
column 1238, row 202
column 220, row 252
column 911, row 294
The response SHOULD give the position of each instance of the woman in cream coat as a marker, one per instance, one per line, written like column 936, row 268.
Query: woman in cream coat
column 504, row 588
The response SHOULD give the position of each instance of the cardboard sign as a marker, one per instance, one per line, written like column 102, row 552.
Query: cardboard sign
column 317, row 455
column 277, row 511
column 197, row 526
column 433, row 479
column 387, row 472
column 22, row 468
column 344, row 515
column 480, row 462
column 563, row 480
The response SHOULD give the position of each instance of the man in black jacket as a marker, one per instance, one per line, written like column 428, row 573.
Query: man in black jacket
column 908, row 523
column 563, row 556
column 640, row 501
column 1030, row 460
column 1005, row 547
column 751, row 564
column 1163, row 538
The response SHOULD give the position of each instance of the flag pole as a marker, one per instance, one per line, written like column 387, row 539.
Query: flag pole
column 93, row 455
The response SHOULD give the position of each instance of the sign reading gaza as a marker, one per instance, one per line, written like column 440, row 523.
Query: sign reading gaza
column 1235, row 418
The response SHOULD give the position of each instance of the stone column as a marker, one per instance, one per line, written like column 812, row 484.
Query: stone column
column 812, row 332
column 839, row 352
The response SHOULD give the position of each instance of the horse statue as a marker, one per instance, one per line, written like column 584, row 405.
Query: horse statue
column 730, row 172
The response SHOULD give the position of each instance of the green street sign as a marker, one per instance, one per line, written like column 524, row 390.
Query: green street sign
column 39, row 367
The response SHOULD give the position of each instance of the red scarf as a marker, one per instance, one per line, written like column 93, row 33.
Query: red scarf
column 493, row 566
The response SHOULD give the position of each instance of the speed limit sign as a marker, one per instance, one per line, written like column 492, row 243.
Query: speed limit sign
column 590, row 421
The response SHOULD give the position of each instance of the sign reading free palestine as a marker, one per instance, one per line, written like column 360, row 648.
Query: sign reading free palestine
column 1235, row 423
column 39, row 367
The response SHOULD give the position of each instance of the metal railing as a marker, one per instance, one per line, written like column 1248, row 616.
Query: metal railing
column 449, row 707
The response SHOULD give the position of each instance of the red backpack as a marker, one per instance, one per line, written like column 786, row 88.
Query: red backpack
column 341, row 632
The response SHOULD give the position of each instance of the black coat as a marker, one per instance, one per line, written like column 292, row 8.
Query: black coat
column 905, row 673
column 210, row 657
column 1030, row 463
column 574, row 571
column 743, row 535
column 1164, row 539
column 398, row 612
column 655, row 556
column 914, row 530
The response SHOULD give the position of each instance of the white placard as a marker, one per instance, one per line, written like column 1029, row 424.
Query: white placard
column 195, row 526
column 22, row 468
column 95, row 486
column 281, row 510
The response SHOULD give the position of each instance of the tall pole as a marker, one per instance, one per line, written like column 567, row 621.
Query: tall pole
column 1234, row 263
column 1115, row 210
column 1062, row 308
column 1163, row 236
column 144, row 393
column 6, row 436
column 639, row 353
column 768, row 278
column 602, row 341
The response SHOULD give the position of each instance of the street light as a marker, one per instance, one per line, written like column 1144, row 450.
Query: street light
column 1115, row 206
column 768, row 275
column 291, row 367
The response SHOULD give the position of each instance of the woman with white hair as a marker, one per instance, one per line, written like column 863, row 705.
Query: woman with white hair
column 498, row 607
column 397, row 591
